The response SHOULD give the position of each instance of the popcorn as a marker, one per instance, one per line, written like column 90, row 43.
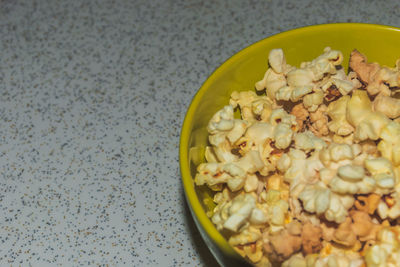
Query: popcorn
column 389, row 146
column 254, row 252
column 277, row 212
column 250, row 162
column 248, row 235
column 363, row 226
column 297, row 260
column 381, row 171
column 390, row 207
column 277, row 208
column 271, row 81
column 319, row 121
column 364, row 70
column 274, row 78
column 324, row 64
column 277, row 60
column 343, row 234
column 239, row 211
column 339, row 82
column 312, row 101
column 220, row 213
column 357, row 227
column 358, row 107
column 371, row 127
column 252, row 107
column 301, row 115
column 339, row 139
column 344, row 175
column 307, row 141
column 379, row 79
column 224, row 130
column 309, row 174
column 209, row 154
column 368, row 203
column 337, row 112
column 311, row 236
column 284, row 82
column 389, row 106
column 259, row 132
column 258, row 216
column 317, row 198
column 335, row 153
column 279, row 115
column 386, row 252
column 283, row 135
column 222, row 121
column 368, row 123
column 299, row 170
column 299, row 84
column 217, row 173
column 340, row 260
column 251, row 183
column 351, row 179
column 281, row 245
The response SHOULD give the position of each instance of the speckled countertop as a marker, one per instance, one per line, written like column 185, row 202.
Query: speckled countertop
column 92, row 98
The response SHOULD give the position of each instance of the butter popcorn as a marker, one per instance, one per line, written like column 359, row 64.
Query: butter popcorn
column 308, row 175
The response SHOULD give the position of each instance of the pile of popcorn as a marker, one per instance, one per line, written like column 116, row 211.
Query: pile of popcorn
column 309, row 175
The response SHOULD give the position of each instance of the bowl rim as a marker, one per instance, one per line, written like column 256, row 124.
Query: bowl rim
column 192, row 200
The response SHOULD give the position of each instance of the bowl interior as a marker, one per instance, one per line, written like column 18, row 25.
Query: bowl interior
column 240, row 72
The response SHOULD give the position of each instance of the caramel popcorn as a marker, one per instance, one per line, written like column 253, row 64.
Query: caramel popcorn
column 309, row 174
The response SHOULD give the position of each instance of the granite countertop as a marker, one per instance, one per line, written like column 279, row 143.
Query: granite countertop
column 92, row 99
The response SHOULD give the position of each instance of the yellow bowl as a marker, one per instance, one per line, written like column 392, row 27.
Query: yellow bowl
column 240, row 72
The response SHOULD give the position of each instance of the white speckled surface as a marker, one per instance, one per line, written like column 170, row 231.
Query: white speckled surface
column 92, row 98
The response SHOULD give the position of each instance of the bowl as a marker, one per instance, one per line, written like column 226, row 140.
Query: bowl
column 240, row 72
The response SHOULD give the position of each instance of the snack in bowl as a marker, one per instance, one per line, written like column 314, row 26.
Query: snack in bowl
column 306, row 168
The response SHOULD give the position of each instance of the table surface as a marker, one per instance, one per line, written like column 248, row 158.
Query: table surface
column 92, row 99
